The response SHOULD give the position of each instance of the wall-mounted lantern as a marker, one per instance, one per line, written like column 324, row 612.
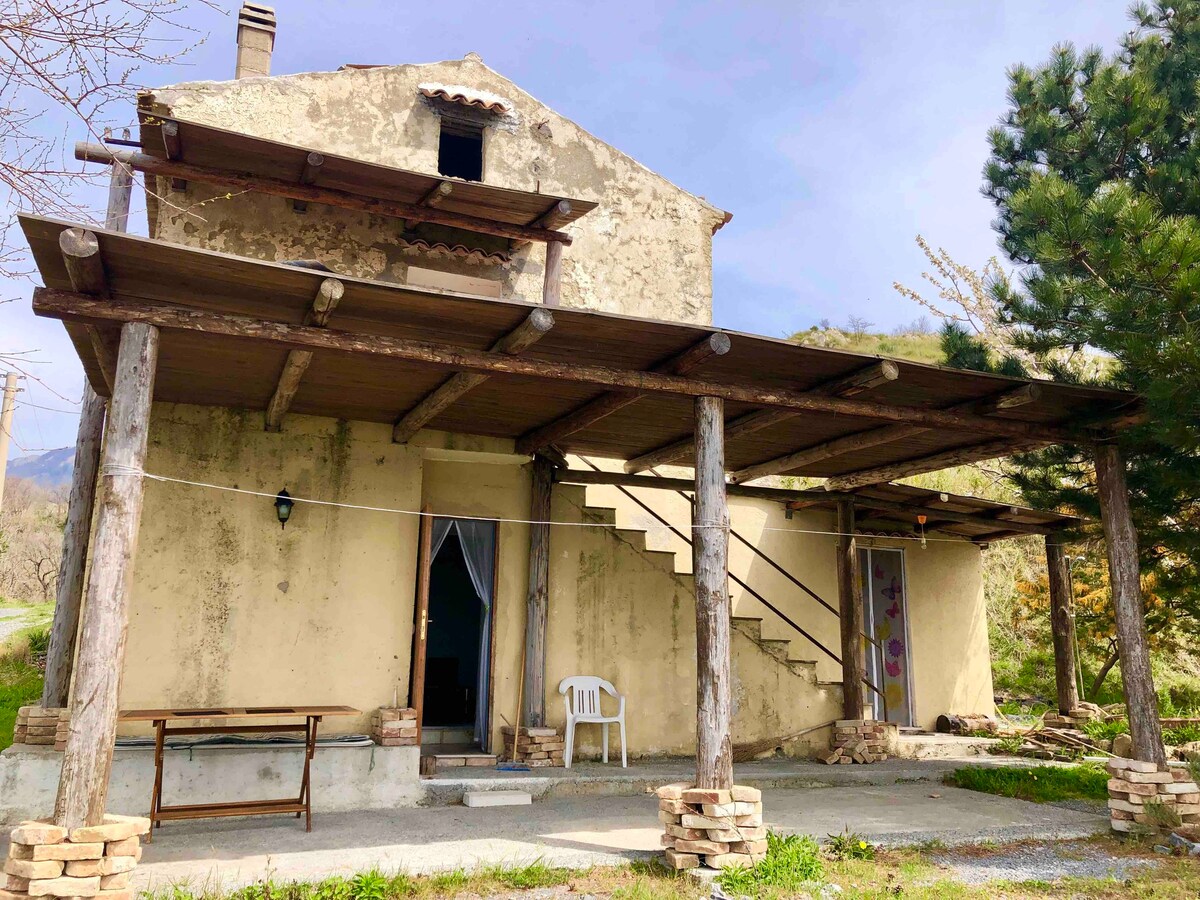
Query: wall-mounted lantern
column 283, row 507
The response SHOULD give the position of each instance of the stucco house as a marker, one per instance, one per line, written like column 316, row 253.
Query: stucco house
column 419, row 410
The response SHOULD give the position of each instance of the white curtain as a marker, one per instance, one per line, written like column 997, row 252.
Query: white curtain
column 477, row 537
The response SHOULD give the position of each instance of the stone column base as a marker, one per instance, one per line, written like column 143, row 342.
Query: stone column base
column 46, row 860
column 394, row 726
column 1143, row 799
column 858, row 741
column 711, row 827
column 535, row 747
column 42, row 726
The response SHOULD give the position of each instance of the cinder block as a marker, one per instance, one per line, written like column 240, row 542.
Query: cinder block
column 478, row 799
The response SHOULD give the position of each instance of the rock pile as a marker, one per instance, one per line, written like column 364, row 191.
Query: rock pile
column 1143, row 799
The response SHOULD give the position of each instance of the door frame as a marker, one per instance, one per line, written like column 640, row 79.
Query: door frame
column 868, row 601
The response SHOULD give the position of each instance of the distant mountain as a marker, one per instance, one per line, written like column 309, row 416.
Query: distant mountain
column 49, row 469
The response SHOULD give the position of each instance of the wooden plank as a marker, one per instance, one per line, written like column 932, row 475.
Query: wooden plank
column 536, row 325
column 710, row 562
column 420, row 645
column 878, row 436
column 855, row 383
column 1129, row 610
column 329, row 293
column 716, row 344
column 552, row 280
column 60, row 657
column 293, row 190
column 533, row 714
column 850, row 612
column 1062, row 624
column 69, row 305
column 87, row 760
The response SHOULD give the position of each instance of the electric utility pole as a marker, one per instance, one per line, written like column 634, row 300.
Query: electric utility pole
column 6, row 420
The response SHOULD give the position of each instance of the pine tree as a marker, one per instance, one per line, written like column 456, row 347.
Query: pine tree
column 1095, row 172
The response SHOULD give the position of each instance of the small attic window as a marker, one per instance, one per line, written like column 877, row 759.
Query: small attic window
column 460, row 150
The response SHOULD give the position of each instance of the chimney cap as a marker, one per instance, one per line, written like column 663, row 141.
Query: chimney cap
column 256, row 15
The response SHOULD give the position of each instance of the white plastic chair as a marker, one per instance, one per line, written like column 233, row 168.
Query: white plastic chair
column 585, row 691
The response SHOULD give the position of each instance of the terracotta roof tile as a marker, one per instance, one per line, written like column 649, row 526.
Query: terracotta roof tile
column 467, row 96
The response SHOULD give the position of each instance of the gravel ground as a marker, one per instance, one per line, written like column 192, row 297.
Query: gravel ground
column 12, row 621
column 1040, row 861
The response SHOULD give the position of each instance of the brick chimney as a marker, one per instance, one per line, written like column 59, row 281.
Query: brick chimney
column 255, row 40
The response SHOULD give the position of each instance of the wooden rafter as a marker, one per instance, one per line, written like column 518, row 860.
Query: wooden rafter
column 432, row 199
column 716, row 344
column 80, row 307
column 308, row 174
column 558, row 212
column 875, row 437
column 536, row 325
column 851, row 385
column 294, row 190
column 959, row 456
column 85, row 269
column 323, row 305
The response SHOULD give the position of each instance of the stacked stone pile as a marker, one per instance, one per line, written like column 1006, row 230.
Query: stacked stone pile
column 1143, row 799
column 1076, row 719
column 711, row 827
column 41, row 726
column 858, row 741
column 46, row 860
column 535, row 747
column 394, row 726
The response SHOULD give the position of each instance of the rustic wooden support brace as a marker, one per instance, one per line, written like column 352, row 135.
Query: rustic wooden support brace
column 87, row 761
column 533, row 713
column 297, row 362
column 536, row 325
column 850, row 612
column 558, row 212
column 1141, row 702
column 552, row 282
column 593, row 411
column 433, row 198
column 308, row 174
column 278, row 187
column 60, row 657
column 1062, row 624
column 710, row 562
column 85, row 268
column 79, row 307
column 120, row 188
column 855, row 383
column 174, row 149
column 864, row 440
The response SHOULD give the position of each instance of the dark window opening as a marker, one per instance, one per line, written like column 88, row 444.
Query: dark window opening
column 460, row 151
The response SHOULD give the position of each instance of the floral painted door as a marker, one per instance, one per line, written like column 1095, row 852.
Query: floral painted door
column 885, row 617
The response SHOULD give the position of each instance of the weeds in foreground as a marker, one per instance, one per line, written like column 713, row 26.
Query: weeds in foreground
column 849, row 845
column 791, row 862
column 1041, row 784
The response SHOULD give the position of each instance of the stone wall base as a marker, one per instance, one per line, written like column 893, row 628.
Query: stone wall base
column 858, row 741
column 535, row 747
column 710, row 827
column 1143, row 799
column 394, row 726
column 41, row 726
column 45, row 860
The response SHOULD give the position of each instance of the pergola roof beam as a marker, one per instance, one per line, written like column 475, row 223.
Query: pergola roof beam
column 432, row 200
column 525, row 335
column 959, row 456
column 558, row 211
column 328, row 295
column 85, row 269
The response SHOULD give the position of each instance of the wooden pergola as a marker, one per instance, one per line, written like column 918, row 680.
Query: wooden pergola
column 154, row 321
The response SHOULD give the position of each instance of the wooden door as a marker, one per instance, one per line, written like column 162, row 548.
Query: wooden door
column 416, row 680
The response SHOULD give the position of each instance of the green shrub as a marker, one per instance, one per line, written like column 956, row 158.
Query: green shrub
column 791, row 861
column 1182, row 734
column 849, row 845
column 1099, row 730
column 39, row 642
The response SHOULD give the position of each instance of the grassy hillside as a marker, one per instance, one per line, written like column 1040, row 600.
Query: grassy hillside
column 917, row 345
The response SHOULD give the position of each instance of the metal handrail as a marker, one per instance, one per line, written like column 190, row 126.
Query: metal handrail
column 753, row 593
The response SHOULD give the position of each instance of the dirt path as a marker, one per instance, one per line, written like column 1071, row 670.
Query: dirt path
column 13, row 620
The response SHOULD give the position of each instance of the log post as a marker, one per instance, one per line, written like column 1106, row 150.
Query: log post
column 1062, row 624
column 533, row 713
column 1128, row 608
column 710, row 562
column 552, row 286
column 850, row 611
column 87, row 761
column 76, row 535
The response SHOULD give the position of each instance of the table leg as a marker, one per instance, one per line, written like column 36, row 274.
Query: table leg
column 160, row 726
column 306, row 786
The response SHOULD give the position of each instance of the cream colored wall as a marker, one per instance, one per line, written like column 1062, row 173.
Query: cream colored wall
column 645, row 250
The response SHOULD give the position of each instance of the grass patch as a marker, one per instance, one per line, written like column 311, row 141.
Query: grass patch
column 20, row 681
column 791, row 862
column 1041, row 784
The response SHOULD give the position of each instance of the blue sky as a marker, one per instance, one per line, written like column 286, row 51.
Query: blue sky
column 834, row 132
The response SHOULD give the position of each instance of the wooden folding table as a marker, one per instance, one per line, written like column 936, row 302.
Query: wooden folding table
column 301, row 804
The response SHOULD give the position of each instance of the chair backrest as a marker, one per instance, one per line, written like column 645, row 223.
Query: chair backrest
column 585, row 693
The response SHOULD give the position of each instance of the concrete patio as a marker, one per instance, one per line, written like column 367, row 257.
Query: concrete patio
column 575, row 832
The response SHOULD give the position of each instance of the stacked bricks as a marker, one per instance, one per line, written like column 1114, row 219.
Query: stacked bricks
column 42, row 726
column 713, row 827
column 1136, row 787
column 394, row 726
column 535, row 747
column 45, row 860
column 1076, row 719
column 857, row 741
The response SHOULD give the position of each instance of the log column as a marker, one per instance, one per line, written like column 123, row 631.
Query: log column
column 1128, row 608
column 710, row 562
column 851, row 613
column 533, row 712
column 1062, row 624
column 87, row 761
column 552, row 285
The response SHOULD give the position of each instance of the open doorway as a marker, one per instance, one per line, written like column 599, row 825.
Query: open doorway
column 885, row 616
column 458, row 635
